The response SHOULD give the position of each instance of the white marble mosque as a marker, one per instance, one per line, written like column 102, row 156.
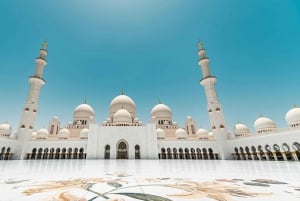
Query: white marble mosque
column 122, row 135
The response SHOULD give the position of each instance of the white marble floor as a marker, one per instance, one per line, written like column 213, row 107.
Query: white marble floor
column 155, row 180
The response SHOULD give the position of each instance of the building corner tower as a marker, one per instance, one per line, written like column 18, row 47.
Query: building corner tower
column 28, row 115
column 215, row 112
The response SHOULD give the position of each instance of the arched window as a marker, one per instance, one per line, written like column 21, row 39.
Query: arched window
column 57, row 153
column 253, row 150
column 45, row 154
column 248, row 153
column 169, row 153
column 296, row 147
column 137, row 152
column 107, row 152
column 175, row 155
column 63, row 153
column 181, row 153
column 211, row 154
column 187, row 153
column 199, row 155
column 51, row 155
column 163, row 153
column 269, row 152
column 278, row 152
column 33, row 153
column 39, row 155
column 75, row 155
column 205, row 156
column 193, row 154
column 81, row 153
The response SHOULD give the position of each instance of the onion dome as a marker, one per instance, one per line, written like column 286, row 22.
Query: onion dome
column 264, row 125
column 84, row 111
column 241, row 130
column 180, row 133
column 63, row 133
column 161, row 111
column 122, row 116
column 136, row 120
column 202, row 134
column 122, row 101
column 5, row 130
column 84, row 133
column 160, row 133
column 42, row 134
column 293, row 117
column 108, row 120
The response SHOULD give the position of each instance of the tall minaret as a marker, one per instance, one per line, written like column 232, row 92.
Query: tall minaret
column 215, row 112
column 36, row 81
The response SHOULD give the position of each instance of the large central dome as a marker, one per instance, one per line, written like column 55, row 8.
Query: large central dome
column 122, row 102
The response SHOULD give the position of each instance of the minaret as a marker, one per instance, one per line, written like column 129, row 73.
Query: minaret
column 36, row 81
column 215, row 112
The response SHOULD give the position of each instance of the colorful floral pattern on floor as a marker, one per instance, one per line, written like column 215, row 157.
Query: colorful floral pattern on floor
column 122, row 186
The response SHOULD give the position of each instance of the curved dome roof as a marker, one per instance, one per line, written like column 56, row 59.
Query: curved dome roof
column 122, row 116
column 64, row 133
column 122, row 101
column 240, row 129
column 160, row 133
column 42, row 133
column 161, row 111
column 84, row 133
column 262, row 123
column 202, row 133
column 5, row 129
column 180, row 133
column 84, row 108
column 293, row 116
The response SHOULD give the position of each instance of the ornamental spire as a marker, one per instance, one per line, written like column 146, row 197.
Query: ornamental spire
column 44, row 46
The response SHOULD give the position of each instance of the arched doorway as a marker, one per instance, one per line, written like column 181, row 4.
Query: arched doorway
column 122, row 150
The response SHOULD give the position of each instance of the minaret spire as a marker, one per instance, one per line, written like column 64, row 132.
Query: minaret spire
column 36, row 82
column 215, row 112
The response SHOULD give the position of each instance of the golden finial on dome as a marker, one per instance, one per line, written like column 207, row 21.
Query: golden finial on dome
column 294, row 105
column 85, row 101
column 122, row 92
column 159, row 101
column 44, row 45
column 200, row 45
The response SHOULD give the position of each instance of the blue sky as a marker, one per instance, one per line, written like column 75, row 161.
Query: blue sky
column 149, row 48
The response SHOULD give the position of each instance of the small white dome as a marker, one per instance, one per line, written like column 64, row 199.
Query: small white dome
column 161, row 111
column 42, row 133
column 180, row 133
column 63, row 133
column 293, row 117
column 84, row 108
column 5, row 130
column 136, row 120
column 122, row 101
column 264, row 125
column 166, row 122
column 189, row 118
column 160, row 133
column 84, row 133
column 108, row 120
column 240, row 130
column 202, row 133
column 122, row 116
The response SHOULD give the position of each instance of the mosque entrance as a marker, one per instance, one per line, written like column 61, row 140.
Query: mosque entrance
column 122, row 151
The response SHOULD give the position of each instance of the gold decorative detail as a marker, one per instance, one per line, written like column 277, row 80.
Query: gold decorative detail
column 200, row 45
column 44, row 45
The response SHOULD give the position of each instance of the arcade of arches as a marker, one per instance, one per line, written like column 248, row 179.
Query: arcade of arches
column 273, row 152
column 76, row 153
column 195, row 154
